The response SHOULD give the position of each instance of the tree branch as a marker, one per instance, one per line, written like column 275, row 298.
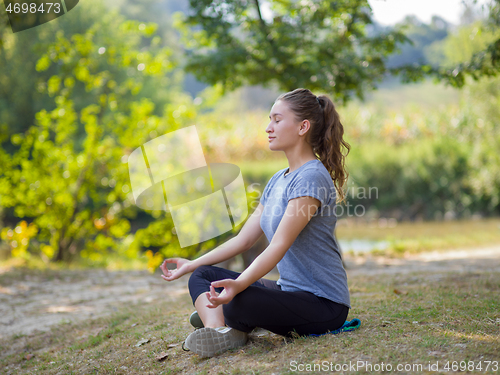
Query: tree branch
column 264, row 26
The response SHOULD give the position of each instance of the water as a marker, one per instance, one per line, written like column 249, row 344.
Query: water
column 362, row 246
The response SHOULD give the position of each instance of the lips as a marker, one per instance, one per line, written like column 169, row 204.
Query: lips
column 271, row 138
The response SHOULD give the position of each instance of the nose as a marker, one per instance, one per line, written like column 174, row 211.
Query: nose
column 269, row 127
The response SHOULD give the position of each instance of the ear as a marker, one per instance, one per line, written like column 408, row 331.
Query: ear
column 304, row 127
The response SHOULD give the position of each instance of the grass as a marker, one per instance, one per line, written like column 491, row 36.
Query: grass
column 427, row 95
column 56, row 272
column 414, row 237
column 418, row 318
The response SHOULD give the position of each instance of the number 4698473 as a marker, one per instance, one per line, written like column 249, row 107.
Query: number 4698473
column 33, row 8
column 471, row 366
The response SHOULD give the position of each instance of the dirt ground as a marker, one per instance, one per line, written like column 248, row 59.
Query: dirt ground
column 38, row 301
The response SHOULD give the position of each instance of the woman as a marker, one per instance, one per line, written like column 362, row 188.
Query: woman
column 296, row 213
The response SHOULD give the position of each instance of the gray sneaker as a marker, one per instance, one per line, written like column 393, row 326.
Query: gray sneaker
column 195, row 320
column 206, row 342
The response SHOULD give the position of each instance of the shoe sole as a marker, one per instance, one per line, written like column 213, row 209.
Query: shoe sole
column 206, row 342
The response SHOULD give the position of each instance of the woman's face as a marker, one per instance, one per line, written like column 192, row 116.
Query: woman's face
column 283, row 129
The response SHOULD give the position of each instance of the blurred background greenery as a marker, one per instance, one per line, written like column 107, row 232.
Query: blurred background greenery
column 79, row 94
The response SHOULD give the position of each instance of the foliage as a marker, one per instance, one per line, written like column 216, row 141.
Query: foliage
column 319, row 44
column 69, row 170
column 483, row 63
column 425, row 179
column 23, row 88
column 65, row 176
column 440, row 161
column 19, row 239
column 422, row 35
column 462, row 45
column 425, row 161
column 428, row 162
column 69, row 173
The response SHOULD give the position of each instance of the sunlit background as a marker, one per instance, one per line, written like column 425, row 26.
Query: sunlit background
column 428, row 150
column 389, row 12
column 80, row 285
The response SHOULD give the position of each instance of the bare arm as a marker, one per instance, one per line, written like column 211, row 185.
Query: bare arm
column 247, row 236
column 298, row 213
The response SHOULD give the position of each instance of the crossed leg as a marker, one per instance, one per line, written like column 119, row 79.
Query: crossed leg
column 263, row 304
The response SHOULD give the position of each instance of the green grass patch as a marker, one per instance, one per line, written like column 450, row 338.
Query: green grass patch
column 415, row 237
column 433, row 317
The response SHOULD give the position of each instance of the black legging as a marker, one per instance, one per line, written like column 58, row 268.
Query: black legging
column 263, row 304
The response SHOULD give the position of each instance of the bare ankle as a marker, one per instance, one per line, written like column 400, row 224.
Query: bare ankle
column 215, row 324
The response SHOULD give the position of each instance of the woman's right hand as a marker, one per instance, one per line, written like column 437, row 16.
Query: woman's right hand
column 183, row 266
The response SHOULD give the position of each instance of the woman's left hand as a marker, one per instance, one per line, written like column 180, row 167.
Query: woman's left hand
column 231, row 288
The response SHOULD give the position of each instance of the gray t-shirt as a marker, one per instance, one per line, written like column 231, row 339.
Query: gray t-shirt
column 313, row 262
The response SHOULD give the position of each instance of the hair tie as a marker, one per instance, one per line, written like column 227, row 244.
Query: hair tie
column 318, row 101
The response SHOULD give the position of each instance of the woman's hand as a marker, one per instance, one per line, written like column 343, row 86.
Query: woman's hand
column 183, row 266
column 231, row 289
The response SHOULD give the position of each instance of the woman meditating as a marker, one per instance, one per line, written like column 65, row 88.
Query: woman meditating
column 297, row 215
